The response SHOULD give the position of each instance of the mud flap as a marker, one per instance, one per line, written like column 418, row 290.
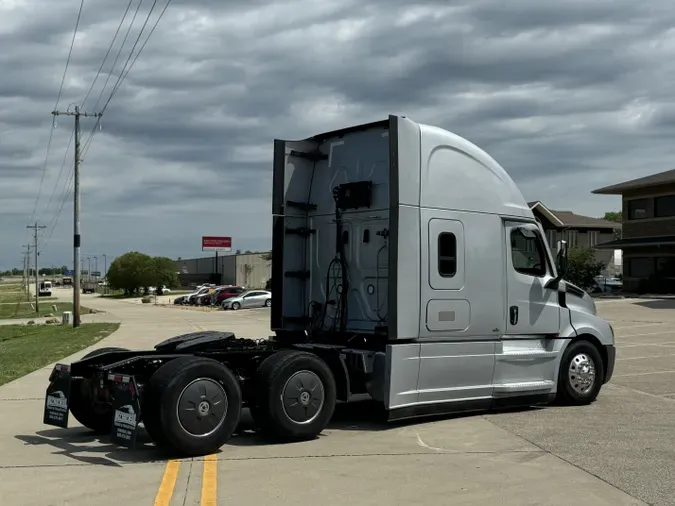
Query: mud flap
column 57, row 399
column 127, row 408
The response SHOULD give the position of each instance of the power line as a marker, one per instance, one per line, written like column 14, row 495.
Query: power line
column 65, row 156
column 126, row 36
column 120, row 78
column 112, row 43
column 123, row 75
column 58, row 178
column 112, row 68
column 58, row 98
column 68, row 186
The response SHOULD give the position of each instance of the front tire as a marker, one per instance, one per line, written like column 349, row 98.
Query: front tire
column 268, row 303
column 581, row 374
column 194, row 406
column 96, row 417
column 236, row 305
column 294, row 395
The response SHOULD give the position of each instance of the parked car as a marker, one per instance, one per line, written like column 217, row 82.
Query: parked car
column 179, row 300
column 224, row 293
column 607, row 284
column 152, row 289
column 203, row 299
column 249, row 299
column 190, row 297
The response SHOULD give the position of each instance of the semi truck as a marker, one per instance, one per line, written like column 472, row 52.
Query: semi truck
column 407, row 267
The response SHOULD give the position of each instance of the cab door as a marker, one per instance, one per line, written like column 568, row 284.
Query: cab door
column 532, row 309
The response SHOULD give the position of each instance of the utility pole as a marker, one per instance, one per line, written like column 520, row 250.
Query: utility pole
column 76, row 209
column 36, row 229
column 27, row 273
column 105, row 273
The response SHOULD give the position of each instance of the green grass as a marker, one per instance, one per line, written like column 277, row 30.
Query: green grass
column 20, row 297
column 13, row 287
column 25, row 310
column 27, row 348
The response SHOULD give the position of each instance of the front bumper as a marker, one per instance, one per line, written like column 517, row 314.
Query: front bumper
column 611, row 359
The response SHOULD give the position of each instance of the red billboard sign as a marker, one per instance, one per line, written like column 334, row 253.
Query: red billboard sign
column 212, row 243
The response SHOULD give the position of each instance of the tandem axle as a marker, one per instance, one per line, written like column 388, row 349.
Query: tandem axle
column 189, row 391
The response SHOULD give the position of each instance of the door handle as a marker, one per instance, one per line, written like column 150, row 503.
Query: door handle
column 513, row 315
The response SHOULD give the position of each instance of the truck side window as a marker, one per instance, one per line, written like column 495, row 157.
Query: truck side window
column 527, row 252
column 447, row 254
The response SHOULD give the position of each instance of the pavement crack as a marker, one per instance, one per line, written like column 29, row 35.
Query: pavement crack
column 281, row 457
column 187, row 484
column 560, row 457
column 23, row 399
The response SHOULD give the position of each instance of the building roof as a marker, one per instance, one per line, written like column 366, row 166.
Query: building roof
column 634, row 184
column 566, row 219
column 638, row 241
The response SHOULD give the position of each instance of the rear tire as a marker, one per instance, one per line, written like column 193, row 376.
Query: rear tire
column 193, row 406
column 294, row 396
column 98, row 418
column 581, row 374
column 268, row 303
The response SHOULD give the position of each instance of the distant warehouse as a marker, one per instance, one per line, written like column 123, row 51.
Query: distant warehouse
column 247, row 269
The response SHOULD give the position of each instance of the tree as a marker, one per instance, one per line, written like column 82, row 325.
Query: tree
column 583, row 267
column 163, row 273
column 134, row 271
column 616, row 217
column 130, row 272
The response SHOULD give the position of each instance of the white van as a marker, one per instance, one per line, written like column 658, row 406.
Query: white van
column 45, row 289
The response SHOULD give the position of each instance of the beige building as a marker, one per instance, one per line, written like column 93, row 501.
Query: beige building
column 251, row 270
column 579, row 231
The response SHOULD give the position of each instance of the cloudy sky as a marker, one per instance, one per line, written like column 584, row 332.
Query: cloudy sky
column 568, row 96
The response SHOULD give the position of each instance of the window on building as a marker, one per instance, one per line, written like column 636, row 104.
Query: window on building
column 447, row 254
column 640, row 267
column 572, row 238
column 664, row 206
column 665, row 267
column 527, row 252
column 593, row 237
column 637, row 209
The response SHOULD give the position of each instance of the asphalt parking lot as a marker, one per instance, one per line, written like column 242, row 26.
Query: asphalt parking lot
column 620, row 450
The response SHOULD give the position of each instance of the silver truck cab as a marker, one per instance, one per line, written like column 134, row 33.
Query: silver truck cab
column 414, row 250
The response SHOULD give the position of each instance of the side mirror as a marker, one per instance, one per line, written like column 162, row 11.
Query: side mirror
column 561, row 259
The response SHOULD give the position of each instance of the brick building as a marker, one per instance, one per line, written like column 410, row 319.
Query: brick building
column 648, row 232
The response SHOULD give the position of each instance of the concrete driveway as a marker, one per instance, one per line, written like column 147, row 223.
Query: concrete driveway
column 617, row 451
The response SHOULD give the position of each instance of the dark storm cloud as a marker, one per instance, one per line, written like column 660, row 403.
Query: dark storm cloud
column 567, row 95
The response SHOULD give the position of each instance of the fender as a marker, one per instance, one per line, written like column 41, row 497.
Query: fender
column 601, row 334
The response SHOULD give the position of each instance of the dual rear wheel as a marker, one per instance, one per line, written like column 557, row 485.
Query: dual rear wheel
column 193, row 404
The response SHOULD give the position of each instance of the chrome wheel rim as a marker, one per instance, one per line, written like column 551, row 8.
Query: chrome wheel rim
column 581, row 373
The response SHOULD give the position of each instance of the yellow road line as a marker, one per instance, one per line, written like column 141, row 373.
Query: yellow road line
column 165, row 491
column 209, row 481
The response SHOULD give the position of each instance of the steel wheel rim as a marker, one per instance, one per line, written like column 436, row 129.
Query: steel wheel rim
column 202, row 407
column 581, row 373
column 303, row 397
